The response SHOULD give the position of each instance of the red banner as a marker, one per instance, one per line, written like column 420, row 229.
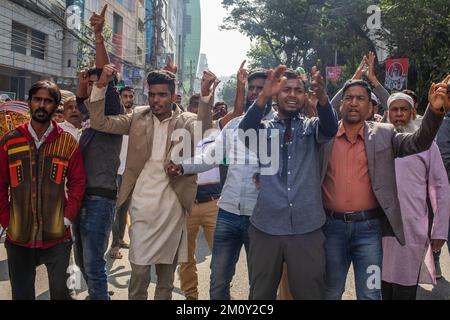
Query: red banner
column 396, row 74
column 333, row 73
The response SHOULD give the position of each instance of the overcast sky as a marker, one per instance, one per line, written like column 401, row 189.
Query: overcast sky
column 225, row 50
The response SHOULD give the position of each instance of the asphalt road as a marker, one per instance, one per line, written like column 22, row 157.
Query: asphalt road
column 119, row 275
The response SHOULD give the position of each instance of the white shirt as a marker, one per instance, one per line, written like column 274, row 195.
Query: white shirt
column 70, row 128
column 123, row 155
column 38, row 142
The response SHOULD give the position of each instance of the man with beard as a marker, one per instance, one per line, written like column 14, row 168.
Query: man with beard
column 419, row 177
column 159, row 204
column 359, row 189
column 288, row 216
column 39, row 165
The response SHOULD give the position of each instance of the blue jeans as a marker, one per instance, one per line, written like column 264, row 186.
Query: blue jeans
column 230, row 234
column 358, row 243
column 92, row 230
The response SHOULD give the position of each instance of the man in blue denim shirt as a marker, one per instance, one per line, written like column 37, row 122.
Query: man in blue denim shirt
column 288, row 216
column 238, row 197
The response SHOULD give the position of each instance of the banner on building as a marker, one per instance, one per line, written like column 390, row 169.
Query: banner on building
column 333, row 73
column 396, row 74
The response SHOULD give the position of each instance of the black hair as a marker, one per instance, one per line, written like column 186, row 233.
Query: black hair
column 412, row 94
column 162, row 77
column 59, row 110
column 350, row 83
column 48, row 85
column 291, row 74
column 193, row 98
column 220, row 103
column 94, row 71
column 257, row 73
column 126, row 88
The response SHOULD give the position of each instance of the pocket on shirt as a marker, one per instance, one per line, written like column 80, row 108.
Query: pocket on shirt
column 59, row 170
column 16, row 173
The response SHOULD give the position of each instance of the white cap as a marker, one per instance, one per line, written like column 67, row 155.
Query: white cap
column 400, row 96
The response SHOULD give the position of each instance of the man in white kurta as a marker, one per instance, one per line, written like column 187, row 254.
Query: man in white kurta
column 157, row 216
column 159, row 203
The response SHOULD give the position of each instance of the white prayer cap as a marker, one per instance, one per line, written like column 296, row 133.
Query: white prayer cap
column 400, row 96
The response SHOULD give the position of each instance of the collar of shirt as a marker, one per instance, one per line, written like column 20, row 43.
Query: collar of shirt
column 155, row 118
column 341, row 131
column 277, row 117
column 38, row 142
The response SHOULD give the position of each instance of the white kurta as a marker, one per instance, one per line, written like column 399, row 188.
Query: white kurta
column 158, row 222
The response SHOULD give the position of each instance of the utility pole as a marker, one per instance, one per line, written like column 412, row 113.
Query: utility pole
column 156, row 32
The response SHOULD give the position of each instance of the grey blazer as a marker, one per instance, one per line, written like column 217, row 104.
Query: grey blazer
column 383, row 144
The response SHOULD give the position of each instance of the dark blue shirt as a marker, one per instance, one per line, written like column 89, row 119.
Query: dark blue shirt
column 290, row 201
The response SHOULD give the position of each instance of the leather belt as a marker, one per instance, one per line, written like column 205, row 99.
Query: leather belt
column 355, row 215
column 212, row 198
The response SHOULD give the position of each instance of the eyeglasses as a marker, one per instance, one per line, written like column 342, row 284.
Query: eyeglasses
column 39, row 100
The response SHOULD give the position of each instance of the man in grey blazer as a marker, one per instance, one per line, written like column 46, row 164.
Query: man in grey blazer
column 359, row 188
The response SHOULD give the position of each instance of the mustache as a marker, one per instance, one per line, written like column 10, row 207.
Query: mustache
column 41, row 110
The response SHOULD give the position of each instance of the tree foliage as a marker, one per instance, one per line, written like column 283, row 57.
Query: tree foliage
column 311, row 32
column 420, row 31
column 228, row 92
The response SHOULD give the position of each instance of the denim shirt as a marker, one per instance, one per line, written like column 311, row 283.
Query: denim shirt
column 239, row 193
column 290, row 200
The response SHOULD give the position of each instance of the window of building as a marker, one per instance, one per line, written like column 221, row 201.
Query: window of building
column 28, row 41
column 38, row 44
column 19, row 38
column 117, row 23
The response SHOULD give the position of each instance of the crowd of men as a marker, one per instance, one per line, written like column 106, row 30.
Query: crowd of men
column 357, row 179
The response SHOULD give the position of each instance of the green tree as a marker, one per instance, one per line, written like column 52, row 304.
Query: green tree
column 261, row 56
column 228, row 92
column 86, row 45
column 286, row 27
column 419, row 30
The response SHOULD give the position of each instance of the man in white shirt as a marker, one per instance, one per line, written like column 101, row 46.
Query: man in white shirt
column 73, row 118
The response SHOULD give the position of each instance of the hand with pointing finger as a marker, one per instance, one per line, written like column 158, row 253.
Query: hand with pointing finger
column 98, row 20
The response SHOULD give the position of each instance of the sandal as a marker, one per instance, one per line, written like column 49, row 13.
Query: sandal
column 124, row 245
column 114, row 253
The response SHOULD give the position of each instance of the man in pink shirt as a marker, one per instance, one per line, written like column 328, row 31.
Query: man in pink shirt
column 419, row 177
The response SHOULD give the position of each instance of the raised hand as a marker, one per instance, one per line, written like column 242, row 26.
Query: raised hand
column 98, row 20
column 242, row 75
column 170, row 66
column 274, row 82
column 360, row 70
column 318, row 86
column 108, row 73
column 83, row 78
column 209, row 79
column 437, row 98
column 371, row 71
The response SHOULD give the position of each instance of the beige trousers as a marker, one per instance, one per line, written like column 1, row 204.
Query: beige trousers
column 204, row 215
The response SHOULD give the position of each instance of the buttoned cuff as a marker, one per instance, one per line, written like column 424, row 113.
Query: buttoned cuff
column 97, row 94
